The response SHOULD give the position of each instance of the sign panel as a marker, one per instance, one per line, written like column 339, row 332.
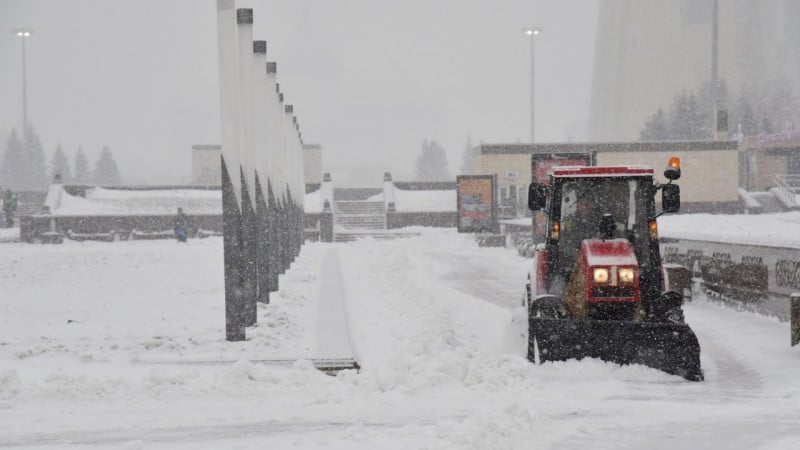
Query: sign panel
column 476, row 203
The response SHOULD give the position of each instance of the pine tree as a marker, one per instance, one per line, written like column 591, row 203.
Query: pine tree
column 680, row 117
column 432, row 163
column 36, row 165
column 747, row 117
column 24, row 166
column 60, row 166
column 81, row 168
column 656, row 128
column 11, row 176
column 106, row 172
column 699, row 123
column 707, row 116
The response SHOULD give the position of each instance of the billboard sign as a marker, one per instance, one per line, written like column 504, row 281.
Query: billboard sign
column 476, row 203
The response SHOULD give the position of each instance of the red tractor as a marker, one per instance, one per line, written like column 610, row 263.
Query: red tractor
column 597, row 288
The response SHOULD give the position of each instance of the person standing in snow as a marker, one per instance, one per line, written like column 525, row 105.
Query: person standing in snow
column 9, row 206
column 181, row 225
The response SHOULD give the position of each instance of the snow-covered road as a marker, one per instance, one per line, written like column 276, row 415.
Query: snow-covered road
column 92, row 334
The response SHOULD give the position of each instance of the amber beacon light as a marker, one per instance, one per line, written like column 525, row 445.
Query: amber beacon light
column 673, row 170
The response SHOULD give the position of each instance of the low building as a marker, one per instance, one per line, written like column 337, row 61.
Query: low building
column 206, row 167
column 769, row 160
column 709, row 183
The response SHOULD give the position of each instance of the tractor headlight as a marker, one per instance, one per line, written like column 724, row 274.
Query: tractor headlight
column 600, row 275
column 625, row 274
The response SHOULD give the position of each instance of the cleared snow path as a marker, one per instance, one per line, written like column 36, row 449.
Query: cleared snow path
column 333, row 335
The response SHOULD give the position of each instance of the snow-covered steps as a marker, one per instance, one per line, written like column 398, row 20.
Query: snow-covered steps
column 769, row 203
column 361, row 215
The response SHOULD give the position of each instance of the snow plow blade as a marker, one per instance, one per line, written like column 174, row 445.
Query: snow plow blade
column 672, row 348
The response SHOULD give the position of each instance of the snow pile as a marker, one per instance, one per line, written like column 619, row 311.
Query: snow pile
column 99, row 201
column 54, row 193
column 777, row 230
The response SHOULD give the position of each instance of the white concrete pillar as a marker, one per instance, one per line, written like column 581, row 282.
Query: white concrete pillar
column 261, row 102
column 228, row 92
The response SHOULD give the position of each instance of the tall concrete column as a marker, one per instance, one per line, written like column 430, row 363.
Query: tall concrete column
column 248, row 265
column 230, row 169
column 261, row 166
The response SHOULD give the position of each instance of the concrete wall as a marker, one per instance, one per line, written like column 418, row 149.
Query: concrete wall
column 738, row 268
column 426, row 219
column 32, row 227
column 426, row 185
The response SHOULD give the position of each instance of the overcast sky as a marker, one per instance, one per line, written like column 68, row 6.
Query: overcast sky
column 370, row 79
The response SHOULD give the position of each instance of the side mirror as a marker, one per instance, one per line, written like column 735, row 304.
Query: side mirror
column 537, row 197
column 670, row 198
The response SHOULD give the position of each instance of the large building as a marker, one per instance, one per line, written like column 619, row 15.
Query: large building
column 647, row 51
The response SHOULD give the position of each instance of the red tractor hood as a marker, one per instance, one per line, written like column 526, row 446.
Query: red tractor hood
column 614, row 255
column 612, row 252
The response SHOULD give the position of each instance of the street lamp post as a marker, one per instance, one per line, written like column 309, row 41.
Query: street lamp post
column 532, row 32
column 24, row 33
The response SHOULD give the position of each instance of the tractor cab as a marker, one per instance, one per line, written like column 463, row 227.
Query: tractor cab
column 601, row 203
column 597, row 285
column 596, row 203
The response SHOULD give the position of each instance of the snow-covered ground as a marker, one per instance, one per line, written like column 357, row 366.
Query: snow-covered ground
column 112, row 345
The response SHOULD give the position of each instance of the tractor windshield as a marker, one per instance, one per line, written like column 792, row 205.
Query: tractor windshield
column 587, row 200
column 582, row 202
